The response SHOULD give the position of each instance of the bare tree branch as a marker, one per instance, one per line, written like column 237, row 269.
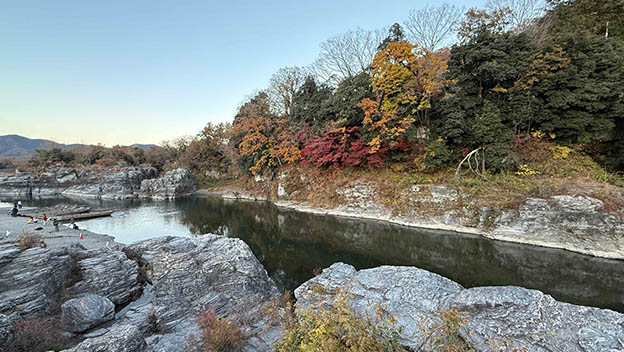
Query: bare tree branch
column 282, row 88
column 345, row 55
column 433, row 27
column 522, row 12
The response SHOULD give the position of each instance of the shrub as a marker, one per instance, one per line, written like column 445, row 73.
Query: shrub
column 446, row 335
column 217, row 334
column 339, row 329
column 29, row 240
column 531, row 149
column 437, row 154
column 36, row 335
column 343, row 147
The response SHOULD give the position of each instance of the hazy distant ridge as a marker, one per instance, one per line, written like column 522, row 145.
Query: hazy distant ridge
column 15, row 146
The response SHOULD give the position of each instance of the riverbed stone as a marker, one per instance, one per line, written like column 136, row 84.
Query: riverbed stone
column 85, row 312
column 496, row 316
column 121, row 338
column 210, row 271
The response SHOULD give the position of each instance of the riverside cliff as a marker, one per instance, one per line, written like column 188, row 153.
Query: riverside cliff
column 120, row 182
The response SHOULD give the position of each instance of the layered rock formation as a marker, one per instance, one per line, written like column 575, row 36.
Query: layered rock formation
column 496, row 316
column 120, row 182
column 162, row 285
column 578, row 223
column 175, row 183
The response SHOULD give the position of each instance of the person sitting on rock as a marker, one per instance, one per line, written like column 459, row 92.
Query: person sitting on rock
column 31, row 220
column 56, row 225
column 14, row 212
column 45, row 218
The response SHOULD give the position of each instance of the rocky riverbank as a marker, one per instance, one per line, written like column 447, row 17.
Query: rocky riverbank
column 120, row 182
column 147, row 297
column 578, row 223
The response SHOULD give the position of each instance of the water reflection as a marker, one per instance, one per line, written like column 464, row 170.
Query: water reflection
column 293, row 245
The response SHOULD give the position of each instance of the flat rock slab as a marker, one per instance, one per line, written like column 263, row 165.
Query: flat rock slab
column 497, row 316
column 85, row 312
column 122, row 338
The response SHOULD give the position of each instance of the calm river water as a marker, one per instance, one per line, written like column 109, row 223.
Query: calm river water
column 293, row 245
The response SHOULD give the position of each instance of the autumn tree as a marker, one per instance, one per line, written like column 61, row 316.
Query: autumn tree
column 405, row 78
column 478, row 22
column 262, row 139
column 208, row 153
column 433, row 27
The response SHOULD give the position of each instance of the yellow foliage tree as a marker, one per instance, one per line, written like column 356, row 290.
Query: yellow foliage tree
column 405, row 78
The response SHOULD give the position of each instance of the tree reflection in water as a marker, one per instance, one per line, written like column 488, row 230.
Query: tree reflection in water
column 292, row 245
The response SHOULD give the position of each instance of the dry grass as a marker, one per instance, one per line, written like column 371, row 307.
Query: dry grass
column 29, row 240
column 217, row 334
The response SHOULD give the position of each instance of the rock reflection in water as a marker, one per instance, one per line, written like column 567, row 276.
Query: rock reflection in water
column 293, row 245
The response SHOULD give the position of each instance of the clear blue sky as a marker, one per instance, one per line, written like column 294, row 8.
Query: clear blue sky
column 123, row 72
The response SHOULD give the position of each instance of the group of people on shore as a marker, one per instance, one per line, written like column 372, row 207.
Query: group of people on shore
column 17, row 205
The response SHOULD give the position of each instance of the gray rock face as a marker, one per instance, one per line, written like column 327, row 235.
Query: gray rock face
column 82, row 313
column 107, row 272
column 496, row 315
column 531, row 319
column 190, row 274
column 31, row 282
column 120, row 182
column 121, row 338
column 175, row 183
column 19, row 185
column 564, row 221
column 411, row 295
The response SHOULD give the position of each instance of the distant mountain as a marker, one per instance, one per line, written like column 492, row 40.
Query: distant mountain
column 14, row 146
column 143, row 146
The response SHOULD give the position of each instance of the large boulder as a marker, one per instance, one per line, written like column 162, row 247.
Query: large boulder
column 411, row 295
column 107, row 272
column 18, row 185
column 175, row 183
column 497, row 316
column 31, row 281
column 82, row 313
column 121, row 338
column 191, row 274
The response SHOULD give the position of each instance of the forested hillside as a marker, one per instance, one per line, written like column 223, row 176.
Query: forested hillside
column 520, row 87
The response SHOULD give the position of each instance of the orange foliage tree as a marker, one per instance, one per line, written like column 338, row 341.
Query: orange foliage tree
column 263, row 140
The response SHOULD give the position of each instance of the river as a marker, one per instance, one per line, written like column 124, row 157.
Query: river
column 293, row 246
